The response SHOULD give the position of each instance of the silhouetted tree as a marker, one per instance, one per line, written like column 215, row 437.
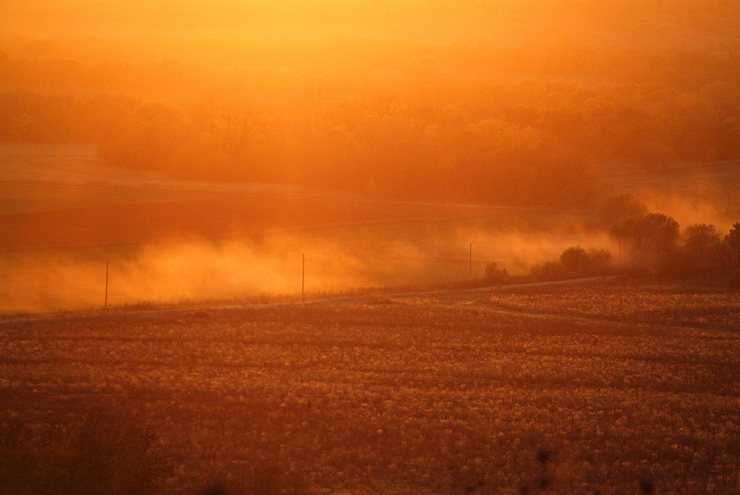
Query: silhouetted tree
column 599, row 261
column 701, row 247
column 652, row 239
column 657, row 232
column 732, row 243
column 577, row 261
column 574, row 259
column 496, row 275
column 552, row 270
column 616, row 208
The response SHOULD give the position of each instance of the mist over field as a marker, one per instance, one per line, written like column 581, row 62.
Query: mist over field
column 203, row 147
column 265, row 268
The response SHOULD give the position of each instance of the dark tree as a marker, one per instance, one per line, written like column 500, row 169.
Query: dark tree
column 574, row 259
column 654, row 232
column 617, row 208
column 496, row 275
column 702, row 247
column 732, row 244
column 652, row 240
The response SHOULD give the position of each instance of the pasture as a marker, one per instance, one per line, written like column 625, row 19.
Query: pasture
column 489, row 391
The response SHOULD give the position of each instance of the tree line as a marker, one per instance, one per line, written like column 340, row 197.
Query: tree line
column 648, row 242
column 522, row 143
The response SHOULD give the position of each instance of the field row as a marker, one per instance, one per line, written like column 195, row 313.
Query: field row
column 645, row 302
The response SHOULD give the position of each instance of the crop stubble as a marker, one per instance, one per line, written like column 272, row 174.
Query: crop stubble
column 419, row 394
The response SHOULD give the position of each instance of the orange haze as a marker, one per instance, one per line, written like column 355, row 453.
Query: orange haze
column 194, row 125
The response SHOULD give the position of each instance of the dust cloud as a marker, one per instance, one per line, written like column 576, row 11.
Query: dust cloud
column 688, row 211
column 401, row 106
column 247, row 270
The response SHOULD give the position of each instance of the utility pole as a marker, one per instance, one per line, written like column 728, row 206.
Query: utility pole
column 107, row 266
column 303, row 279
column 471, row 261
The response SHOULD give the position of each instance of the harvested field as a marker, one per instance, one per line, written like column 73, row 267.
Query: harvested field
column 429, row 393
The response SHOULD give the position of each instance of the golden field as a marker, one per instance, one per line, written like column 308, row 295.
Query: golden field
column 548, row 389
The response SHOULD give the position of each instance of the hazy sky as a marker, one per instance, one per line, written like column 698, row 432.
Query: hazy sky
column 598, row 23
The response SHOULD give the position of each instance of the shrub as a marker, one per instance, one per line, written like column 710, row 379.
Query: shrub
column 496, row 275
column 578, row 261
column 599, row 261
column 552, row 270
column 574, row 260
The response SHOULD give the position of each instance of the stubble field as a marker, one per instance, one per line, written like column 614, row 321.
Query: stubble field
column 574, row 390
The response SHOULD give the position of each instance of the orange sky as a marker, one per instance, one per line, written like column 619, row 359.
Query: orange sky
column 597, row 23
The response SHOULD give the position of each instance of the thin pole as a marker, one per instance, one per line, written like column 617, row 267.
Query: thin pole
column 107, row 266
column 303, row 279
column 471, row 261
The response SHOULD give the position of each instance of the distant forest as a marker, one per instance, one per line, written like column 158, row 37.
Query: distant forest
column 435, row 123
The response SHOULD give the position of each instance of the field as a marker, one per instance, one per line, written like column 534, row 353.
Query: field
column 548, row 389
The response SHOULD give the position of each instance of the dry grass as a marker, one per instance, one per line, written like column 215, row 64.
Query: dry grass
column 647, row 301
column 430, row 394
